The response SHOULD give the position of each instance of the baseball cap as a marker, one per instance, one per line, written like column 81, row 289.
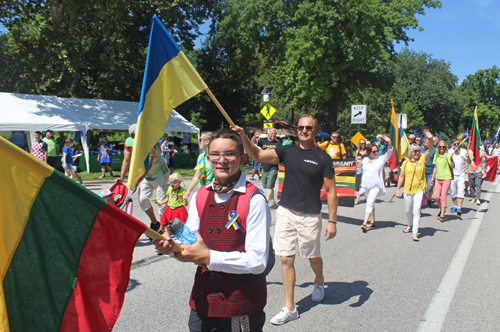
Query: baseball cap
column 106, row 193
column 378, row 136
column 131, row 129
column 104, row 139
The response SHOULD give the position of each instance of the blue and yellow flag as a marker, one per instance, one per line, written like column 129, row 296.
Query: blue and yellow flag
column 169, row 80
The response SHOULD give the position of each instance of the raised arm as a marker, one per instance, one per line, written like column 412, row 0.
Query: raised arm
column 266, row 156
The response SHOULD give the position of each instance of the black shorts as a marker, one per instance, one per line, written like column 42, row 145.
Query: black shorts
column 171, row 163
column 105, row 164
column 52, row 161
column 199, row 323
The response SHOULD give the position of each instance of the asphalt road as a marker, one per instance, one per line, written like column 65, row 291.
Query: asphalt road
column 375, row 281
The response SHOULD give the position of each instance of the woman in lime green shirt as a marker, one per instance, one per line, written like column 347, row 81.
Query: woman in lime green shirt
column 443, row 175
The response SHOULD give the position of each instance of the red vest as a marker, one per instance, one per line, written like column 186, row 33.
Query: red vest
column 219, row 294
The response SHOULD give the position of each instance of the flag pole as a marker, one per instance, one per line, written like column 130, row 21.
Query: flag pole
column 216, row 102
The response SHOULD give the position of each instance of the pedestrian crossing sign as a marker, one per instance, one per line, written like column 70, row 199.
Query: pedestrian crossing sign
column 268, row 111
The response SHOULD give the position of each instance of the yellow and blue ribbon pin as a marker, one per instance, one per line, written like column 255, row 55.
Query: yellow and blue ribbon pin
column 233, row 216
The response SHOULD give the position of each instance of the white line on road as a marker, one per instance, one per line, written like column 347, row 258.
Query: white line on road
column 435, row 315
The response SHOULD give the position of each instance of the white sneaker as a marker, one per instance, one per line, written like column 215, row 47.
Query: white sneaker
column 318, row 292
column 478, row 202
column 251, row 178
column 473, row 200
column 285, row 315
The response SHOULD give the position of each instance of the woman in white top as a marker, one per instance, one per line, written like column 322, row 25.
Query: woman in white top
column 372, row 182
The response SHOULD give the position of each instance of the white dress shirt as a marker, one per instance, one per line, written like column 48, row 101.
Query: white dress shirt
column 257, row 237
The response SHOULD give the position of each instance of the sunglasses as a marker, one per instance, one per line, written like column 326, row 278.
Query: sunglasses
column 374, row 151
column 335, row 137
column 442, row 147
column 308, row 128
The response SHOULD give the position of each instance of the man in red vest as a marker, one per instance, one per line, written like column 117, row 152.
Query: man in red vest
column 231, row 220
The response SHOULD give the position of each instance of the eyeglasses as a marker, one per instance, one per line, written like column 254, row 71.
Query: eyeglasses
column 374, row 151
column 308, row 128
column 229, row 156
column 455, row 144
column 362, row 143
column 416, row 151
column 173, row 184
column 442, row 147
column 335, row 137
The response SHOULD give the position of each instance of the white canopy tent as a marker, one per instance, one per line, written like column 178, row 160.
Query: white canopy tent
column 33, row 112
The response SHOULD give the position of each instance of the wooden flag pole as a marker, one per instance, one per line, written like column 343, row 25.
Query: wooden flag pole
column 216, row 102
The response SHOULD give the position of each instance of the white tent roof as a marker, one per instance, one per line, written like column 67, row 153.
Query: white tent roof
column 118, row 115
column 32, row 113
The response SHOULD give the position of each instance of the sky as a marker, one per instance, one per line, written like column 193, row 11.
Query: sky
column 464, row 33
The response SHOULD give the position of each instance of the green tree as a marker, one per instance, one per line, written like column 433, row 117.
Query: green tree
column 88, row 49
column 325, row 48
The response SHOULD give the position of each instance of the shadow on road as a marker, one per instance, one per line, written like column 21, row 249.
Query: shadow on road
column 132, row 284
column 335, row 293
column 429, row 231
column 143, row 243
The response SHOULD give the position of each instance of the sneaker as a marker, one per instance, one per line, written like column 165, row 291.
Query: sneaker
column 318, row 292
column 472, row 200
column 260, row 177
column 285, row 315
column 453, row 209
column 102, row 176
column 80, row 182
column 252, row 178
column 478, row 202
column 459, row 211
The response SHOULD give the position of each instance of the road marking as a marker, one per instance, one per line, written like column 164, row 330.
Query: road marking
column 435, row 315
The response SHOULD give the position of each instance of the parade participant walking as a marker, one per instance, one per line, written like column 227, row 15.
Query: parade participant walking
column 104, row 157
column 51, row 148
column 429, row 166
column 360, row 155
column 334, row 148
column 269, row 171
column 411, row 139
column 457, row 185
column 164, row 150
column 176, row 201
column 372, row 181
column 202, row 165
column 155, row 178
column 475, row 176
column 232, row 293
column 39, row 147
column 442, row 177
column 298, row 218
column 415, row 185
column 68, row 160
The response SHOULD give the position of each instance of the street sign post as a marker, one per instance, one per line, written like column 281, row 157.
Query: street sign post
column 268, row 124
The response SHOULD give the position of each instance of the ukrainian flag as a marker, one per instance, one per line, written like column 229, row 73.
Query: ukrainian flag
column 169, row 80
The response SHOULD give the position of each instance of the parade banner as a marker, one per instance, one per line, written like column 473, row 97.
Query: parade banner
column 345, row 180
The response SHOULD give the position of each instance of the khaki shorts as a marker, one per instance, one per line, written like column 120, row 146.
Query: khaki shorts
column 297, row 231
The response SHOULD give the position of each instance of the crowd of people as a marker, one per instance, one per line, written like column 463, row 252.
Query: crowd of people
column 231, row 217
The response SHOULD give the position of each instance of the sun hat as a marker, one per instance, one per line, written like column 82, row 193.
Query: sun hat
column 131, row 129
column 106, row 193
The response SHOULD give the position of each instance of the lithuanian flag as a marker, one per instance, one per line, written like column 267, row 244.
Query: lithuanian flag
column 396, row 143
column 475, row 139
column 169, row 80
column 65, row 254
